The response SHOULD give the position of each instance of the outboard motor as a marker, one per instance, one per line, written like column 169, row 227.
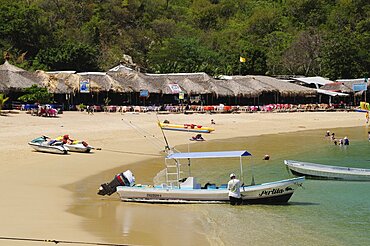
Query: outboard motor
column 122, row 179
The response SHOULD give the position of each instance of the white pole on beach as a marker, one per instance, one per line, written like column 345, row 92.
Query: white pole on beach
column 241, row 170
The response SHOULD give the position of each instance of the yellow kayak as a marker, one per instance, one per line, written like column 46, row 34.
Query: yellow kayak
column 186, row 127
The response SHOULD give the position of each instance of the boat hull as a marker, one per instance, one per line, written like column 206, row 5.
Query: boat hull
column 318, row 171
column 78, row 148
column 267, row 193
column 49, row 148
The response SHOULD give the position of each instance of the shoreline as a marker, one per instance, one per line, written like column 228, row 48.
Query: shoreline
column 45, row 176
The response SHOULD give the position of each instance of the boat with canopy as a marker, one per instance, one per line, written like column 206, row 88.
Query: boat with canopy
column 319, row 171
column 177, row 189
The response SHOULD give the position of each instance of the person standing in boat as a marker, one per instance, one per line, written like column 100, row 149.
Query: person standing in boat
column 233, row 187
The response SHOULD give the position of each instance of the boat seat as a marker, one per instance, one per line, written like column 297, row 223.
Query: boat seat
column 211, row 187
column 191, row 183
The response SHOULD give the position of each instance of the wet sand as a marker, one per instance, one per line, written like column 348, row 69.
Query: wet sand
column 42, row 192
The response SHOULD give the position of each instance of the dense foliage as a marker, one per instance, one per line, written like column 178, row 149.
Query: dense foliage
column 330, row 38
column 3, row 99
column 35, row 94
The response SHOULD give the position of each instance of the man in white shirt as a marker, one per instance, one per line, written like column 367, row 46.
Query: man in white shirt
column 233, row 187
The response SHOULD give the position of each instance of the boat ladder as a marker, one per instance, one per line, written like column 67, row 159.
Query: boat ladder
column 173, row 174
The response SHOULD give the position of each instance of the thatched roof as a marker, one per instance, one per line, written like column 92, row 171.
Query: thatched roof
column 14, row 78
column 190, row 83
column 238, row 88
column 132, row 81
column 338, row 87
column 103, row 81
column 201, row 83
column 283, row 87
column 255, row 85
column 68, row 82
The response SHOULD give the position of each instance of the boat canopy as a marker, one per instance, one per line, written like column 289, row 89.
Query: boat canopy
column 203, row 155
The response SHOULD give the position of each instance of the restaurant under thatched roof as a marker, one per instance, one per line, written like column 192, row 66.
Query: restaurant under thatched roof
column 190, row 83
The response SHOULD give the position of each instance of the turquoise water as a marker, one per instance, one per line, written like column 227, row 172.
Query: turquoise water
column 323, row 213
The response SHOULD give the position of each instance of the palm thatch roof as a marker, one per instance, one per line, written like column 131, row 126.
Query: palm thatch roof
column 255, row 85
column 132, row 81
column 14, row 78
column 283, row 87
column 338, row 87
column 103, row 81
column 190, row 83
column 69, row 82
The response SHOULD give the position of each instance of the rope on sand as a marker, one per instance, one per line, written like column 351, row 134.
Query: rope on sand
column 59, row 241
column 128, row 152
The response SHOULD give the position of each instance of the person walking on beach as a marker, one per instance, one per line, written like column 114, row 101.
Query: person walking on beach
column 233, row 186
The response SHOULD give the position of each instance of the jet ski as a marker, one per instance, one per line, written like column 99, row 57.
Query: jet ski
column 47, row 145
column 75, row 145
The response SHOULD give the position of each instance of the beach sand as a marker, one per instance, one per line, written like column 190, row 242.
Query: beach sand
column 38, row 189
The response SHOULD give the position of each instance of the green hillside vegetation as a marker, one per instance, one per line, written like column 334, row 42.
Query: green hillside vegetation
column 297, row 37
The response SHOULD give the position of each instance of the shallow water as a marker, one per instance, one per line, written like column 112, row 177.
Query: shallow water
column 322, row 213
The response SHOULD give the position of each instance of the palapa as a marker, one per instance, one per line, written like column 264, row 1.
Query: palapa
column 16, row 79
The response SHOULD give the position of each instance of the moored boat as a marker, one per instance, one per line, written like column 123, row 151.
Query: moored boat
column 186, row 127
column 319, row 171
column 42, row 144
column 188, row 190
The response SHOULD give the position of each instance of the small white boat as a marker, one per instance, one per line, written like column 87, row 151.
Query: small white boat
column 318, row 171
column 41, row 144
column 188, row 190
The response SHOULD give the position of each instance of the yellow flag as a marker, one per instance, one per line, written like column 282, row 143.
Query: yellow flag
column 242, row 59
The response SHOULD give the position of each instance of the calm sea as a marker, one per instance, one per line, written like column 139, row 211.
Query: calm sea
column 321, row 213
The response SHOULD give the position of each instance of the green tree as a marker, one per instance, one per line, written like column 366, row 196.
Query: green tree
column 23, row 27
column 176, row 55
column 341, row 56
column 35, row 94
column 70, row 55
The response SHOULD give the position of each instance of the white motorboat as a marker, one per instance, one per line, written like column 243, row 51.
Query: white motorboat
column 188, row 190
column 43, row 145
column 318, row 171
